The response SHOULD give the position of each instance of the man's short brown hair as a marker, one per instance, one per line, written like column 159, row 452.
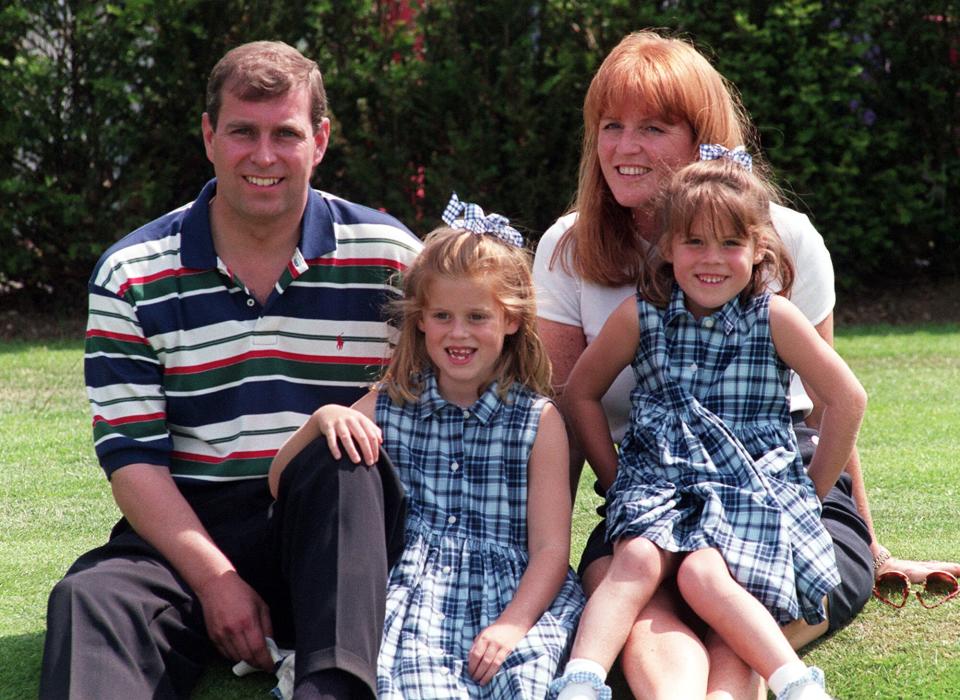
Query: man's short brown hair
column 263, row 70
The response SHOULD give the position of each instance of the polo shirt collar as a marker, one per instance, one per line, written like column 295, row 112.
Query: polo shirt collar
column 317, row 237
column 196, row 237
column 483, row 409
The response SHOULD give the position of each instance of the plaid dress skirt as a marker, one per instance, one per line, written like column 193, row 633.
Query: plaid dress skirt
column 465, row 472
column 711, row 460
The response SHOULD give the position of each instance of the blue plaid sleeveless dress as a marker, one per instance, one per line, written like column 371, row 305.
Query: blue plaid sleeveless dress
column 711, row 460
column 465, row 471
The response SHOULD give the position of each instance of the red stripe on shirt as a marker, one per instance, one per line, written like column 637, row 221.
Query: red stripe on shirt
column 273, row 354
column 147, row 279
column 125, row 337
column 140, row 418
column 211, row 459
column 358, row 262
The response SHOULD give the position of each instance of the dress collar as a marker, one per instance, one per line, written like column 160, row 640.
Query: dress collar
column 483, row 409
column 726, row 318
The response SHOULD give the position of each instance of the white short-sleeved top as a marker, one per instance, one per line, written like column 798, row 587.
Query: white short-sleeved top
column 564, row 297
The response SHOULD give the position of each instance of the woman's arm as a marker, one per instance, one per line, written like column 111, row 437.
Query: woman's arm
column 548, row 543
column 841, row 397
column 352, row 426
column 916, row 570
column 858, row 487
column 594, row 372
column 564, row 344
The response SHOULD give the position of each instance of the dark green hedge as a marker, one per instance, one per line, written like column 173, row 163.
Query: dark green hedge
column 856, row 105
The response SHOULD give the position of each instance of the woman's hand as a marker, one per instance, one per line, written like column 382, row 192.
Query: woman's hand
column 491, row 648
column 352, row 429
column 917, row 571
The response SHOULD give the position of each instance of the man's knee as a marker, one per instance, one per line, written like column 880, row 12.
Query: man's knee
column 339, row 493
column 121, row 628
column 316, row 472
column 80, row 593
column 80, row 628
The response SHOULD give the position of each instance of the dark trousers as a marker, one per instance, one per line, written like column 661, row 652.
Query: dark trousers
column 851, row 541
column 123, row 624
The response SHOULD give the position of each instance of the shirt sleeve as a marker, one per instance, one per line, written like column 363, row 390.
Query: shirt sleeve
column 813, row 291
column 558, row 291
column 813, row 286
column 124, row 384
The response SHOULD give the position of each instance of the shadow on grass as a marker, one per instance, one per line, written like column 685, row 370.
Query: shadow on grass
column 20, row 674
column 20, row 668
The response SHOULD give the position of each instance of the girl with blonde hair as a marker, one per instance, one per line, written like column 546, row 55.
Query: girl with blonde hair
column 482, row 602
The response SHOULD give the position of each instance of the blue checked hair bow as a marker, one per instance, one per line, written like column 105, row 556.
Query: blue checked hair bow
column 469, row 216
column 712, row 151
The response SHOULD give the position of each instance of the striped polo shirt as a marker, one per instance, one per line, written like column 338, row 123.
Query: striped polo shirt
column 185, row 369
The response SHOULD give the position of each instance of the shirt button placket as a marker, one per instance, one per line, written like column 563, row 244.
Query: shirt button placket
column 456, row 491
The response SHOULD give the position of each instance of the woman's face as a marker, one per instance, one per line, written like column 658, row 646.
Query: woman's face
column 638, row 152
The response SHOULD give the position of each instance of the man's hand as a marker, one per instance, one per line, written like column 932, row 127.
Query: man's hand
column 237, row 619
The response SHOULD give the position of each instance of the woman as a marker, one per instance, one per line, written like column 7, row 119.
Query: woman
column 653, row 101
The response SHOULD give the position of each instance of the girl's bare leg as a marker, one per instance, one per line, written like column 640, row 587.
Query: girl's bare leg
column 662, row 658
column 733, row 613
column 635, row 572
column 730, row 678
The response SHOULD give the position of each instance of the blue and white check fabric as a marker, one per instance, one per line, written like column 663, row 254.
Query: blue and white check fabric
column 592, row 679
column 713, row 151
column 710, row 458
column 469, row 216
column 465, row 472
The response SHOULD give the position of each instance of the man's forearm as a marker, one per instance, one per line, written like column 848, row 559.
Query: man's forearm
column 149, row 499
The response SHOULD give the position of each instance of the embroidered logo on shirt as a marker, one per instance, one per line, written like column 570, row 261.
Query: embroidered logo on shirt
column 340, row 341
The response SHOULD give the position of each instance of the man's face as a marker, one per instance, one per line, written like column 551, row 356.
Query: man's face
column 263, row 154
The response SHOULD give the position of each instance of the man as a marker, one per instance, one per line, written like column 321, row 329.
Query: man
column 214, row 332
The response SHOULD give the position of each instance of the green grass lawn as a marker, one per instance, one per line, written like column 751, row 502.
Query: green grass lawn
column 55, row 504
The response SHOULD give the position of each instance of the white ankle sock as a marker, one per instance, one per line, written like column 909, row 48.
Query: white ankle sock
column 788, row 673
column 582, row 691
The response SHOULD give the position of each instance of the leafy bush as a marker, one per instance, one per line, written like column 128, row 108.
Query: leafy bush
column 856, row 106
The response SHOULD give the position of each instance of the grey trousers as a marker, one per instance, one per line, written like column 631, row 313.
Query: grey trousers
column 123, row 624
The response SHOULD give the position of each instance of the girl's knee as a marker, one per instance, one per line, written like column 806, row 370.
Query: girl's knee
column 636, row 558
column 702, row 572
